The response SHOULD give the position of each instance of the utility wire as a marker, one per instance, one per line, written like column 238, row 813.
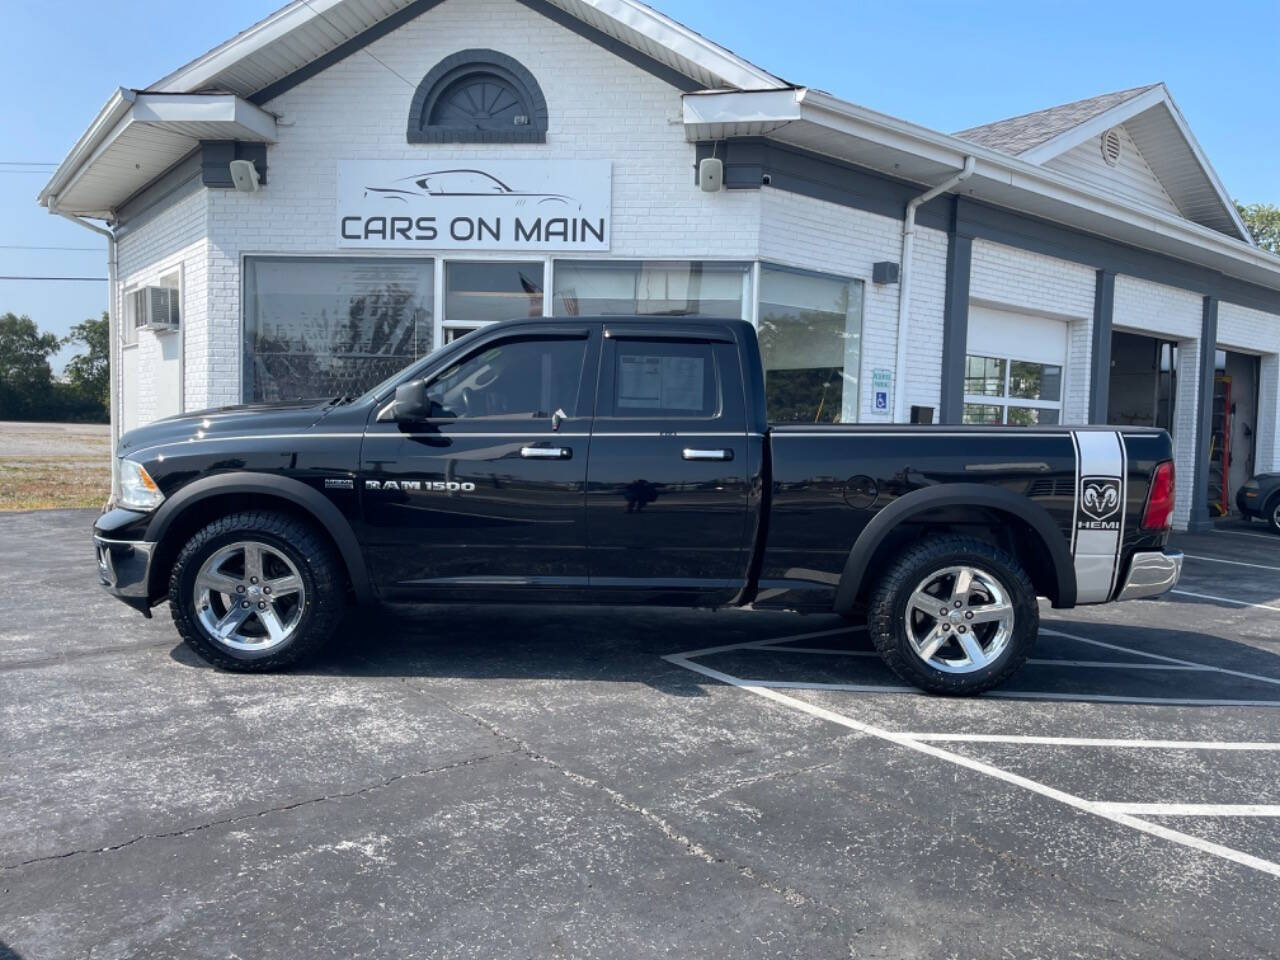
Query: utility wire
column 25, row 163
column 87, row 279
column 23, row 246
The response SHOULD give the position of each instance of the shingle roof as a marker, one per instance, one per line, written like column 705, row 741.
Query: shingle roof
column 1016, row 135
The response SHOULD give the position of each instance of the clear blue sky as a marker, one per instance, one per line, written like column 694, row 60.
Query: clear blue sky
column 945, row 65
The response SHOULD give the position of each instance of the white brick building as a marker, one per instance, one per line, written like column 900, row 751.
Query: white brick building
column 1079, row 266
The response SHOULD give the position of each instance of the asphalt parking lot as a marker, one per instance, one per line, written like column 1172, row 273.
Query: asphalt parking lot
column 497, row 782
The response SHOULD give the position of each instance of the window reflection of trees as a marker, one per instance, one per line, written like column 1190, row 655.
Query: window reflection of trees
column 318, row 355
column 804, row 395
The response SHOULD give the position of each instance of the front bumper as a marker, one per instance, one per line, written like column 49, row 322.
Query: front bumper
column 124, row 569
column 1151, row 573
column 1250, row 506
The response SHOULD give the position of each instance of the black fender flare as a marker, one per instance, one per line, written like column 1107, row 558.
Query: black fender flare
column 957, row 495
column 320, row 508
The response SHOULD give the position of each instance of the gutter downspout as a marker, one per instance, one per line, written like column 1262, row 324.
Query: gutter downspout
column 112, row 318
column 904, row 282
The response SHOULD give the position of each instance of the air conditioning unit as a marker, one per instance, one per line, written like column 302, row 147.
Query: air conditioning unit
column 155, row 308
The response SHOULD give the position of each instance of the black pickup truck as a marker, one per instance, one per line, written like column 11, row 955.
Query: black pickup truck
column 627, row 461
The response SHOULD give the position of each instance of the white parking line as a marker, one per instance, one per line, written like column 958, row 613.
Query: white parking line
column 1034, row 786
column 1193, row 809
column 1238, row 603
column 1234, row 563
column 1160, row 656
column 1021, row 694
column 774, row 644
column 1043, row 662
column 1019, row 738
column 1241, row 533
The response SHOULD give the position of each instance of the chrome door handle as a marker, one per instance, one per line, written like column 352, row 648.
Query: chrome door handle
column 691, row 454
column 546, row 453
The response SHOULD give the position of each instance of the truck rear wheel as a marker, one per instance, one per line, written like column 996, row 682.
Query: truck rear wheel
column 256, row 591
column 954, row 615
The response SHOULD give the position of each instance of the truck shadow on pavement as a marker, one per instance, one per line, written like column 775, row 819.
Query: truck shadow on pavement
column 1072, row 659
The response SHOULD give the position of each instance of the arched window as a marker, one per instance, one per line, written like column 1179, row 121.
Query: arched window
column 478, row 96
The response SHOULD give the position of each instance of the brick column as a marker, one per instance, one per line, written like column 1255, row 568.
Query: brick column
column 1104, row 298
column 955, row 321
column 1205, row 367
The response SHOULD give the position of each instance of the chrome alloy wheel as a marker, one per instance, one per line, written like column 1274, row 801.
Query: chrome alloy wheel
column 959, row 619
column 249, row 596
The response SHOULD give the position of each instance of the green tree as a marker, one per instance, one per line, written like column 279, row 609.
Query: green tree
column 89, row 373
column 1263, row 221
column 26, row 380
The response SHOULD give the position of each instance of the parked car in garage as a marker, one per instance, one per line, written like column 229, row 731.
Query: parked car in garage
column 1260, row 497
column 628, row 461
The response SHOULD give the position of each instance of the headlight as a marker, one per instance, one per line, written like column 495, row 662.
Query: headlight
column 133, row 488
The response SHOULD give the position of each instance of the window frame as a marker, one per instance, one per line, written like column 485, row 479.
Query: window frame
column 473, row 62
column 749, row 286
column 607, row 402
column 247, row 258
column 863, row 282
column 1003, row 401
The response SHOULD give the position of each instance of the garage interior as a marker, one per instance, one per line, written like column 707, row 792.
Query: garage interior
column 1143, row 388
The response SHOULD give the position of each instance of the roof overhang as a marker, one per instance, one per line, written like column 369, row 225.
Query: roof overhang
column 826, row 125
column 138, row 136
column 306, row 30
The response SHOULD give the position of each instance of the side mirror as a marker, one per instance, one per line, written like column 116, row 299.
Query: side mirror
column 411, row 402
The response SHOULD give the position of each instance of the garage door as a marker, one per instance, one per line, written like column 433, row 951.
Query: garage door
column 1014, row 367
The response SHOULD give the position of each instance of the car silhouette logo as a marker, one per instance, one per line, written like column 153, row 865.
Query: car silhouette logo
column 463, row 182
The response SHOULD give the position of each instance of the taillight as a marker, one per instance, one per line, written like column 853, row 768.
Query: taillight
column 1159, row 512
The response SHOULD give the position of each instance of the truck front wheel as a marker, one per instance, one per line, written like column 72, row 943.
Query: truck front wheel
column 954, row 615
column 256, row 591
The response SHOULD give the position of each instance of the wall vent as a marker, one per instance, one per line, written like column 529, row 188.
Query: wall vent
column 1111, row 147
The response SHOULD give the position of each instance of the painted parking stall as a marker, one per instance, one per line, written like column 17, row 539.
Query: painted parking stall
column 1138, row 720
column 802, row 673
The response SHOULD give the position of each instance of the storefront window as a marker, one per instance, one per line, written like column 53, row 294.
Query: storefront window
column 479, row 293
column 1001, row 390
column 652, row 288
column 811, row 341
column 319, row 327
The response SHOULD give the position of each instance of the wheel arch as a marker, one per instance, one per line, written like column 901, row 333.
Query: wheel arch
column 1272, row 503
column 915, row 505
column 208, row 497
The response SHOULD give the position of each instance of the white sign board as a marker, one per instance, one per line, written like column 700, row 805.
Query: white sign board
column 881, row 389
column 549, row 205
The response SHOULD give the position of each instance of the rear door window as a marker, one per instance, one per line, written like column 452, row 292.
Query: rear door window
column 673, row 380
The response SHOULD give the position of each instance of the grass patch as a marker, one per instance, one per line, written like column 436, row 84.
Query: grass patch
column 37, row 483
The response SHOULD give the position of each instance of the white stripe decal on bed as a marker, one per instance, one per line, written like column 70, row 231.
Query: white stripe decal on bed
column 1099, row 517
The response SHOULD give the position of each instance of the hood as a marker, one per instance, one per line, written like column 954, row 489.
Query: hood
column 239, row 420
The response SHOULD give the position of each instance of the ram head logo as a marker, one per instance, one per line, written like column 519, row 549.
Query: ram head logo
column 1100, row 497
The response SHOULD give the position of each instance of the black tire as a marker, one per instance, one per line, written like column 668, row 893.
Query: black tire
column 890, row 606
column 1272, row 516
column 318, row 567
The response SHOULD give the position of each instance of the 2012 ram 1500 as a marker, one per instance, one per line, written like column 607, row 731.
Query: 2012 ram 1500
column 627, row 461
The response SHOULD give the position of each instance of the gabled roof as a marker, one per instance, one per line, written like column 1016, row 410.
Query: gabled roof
column 303, row 32
column 1017, row 135
column 120, row 152
column 1157, row 128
